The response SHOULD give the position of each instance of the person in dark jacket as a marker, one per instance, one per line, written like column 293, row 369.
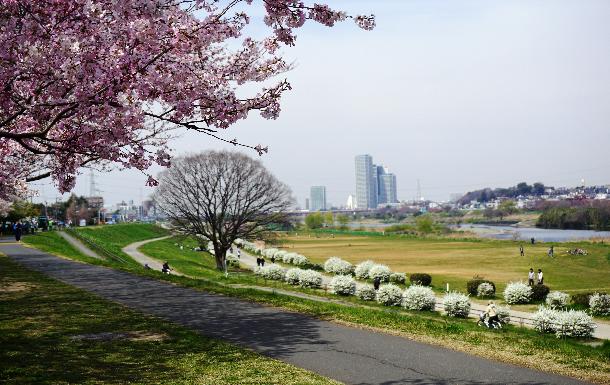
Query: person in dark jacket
column 18, row 229
column 376, row 283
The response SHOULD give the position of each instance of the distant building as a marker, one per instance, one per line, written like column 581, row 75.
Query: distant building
column 366, row 182
column 318, row 198
column 351, row 202
column 95, row 202
column 387, row 184
column 306, row 203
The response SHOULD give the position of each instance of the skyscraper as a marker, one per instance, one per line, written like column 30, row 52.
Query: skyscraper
column 387, row 183
column 318, row 198
column 375, row 185
column 366, row 182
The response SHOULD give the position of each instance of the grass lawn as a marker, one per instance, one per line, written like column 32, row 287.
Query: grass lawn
column 43, row 330
column 512, row 344
column 456, row 261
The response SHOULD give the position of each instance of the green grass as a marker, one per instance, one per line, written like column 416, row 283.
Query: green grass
column 512, row 344
column 114, row 237
column 39, row 318
column 455, row 261
column 52, row 243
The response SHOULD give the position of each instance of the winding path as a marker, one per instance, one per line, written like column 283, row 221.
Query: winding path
column 137, row 255
column 350, row 355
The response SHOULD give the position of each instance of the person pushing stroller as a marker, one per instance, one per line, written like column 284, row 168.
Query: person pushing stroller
column 490, row 317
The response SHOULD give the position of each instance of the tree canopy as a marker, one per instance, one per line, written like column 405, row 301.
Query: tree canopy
column 104, row 82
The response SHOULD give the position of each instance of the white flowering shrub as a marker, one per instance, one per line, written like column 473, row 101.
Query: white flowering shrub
column 299, row 260
column 293, row 276
column 503, row 313
column 418, row 297
column 284, row 256
column 310, row 278
column 389, row 295
column 517, row 292
column 272, row 271
column 366, row 292
column 557, row 300
column 362, row 269
column 270, row 252
column 546, row 320
column 398, row 278
column 336, row 265
column 485, row 289
column 600, row 304
column 380, row 271
column 574, row 323
column 456, row 304
column 343, row 285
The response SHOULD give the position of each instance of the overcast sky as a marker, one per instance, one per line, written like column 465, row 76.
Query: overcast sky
column 458, row 94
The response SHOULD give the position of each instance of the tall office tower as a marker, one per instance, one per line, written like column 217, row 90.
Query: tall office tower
column 366, row 182
column 318, row 198
column 387, row 181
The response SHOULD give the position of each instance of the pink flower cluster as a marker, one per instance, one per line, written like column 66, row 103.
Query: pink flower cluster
column 103, row 81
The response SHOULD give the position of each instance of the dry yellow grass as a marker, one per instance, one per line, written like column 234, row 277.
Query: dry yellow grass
column 456, row 261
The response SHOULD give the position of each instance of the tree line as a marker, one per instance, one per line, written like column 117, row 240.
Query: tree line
column 592, row 216
column 488, row 194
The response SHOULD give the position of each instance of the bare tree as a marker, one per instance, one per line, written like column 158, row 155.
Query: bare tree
column 220, row 196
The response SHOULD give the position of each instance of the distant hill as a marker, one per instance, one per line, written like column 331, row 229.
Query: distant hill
column 488, row 194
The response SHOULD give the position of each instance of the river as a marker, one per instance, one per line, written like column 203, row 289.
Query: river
column 526, row 233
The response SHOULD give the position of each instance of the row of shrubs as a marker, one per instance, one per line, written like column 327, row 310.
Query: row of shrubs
column 415, row 297
column 371, row 270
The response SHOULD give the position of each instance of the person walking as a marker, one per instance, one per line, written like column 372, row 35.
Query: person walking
column 521, row 251
column 551, row 252
column 18, row 230
column 533, row 240
column 530, row 277
column 258, row 261
column 540, row 277
column 262, row 261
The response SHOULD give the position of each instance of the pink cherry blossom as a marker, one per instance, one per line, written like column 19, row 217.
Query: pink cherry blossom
column 86, row 82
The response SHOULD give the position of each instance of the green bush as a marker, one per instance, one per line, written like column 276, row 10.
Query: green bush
column 420, row 279
column 539, row 292
column 582, row 299
column 473, row 284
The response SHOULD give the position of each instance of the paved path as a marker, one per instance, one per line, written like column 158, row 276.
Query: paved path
column 350, row 355
column 77, row 244
column 133, row 252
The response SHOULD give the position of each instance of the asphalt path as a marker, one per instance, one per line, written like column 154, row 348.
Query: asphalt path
column 347, row 354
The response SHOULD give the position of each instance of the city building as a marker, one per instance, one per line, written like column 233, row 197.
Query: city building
column 318, row 198
column 306, row 203
column 366, row 182
column 375, row 185
column 387, row 189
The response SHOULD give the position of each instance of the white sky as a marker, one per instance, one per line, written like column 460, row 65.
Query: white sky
column 459, row 94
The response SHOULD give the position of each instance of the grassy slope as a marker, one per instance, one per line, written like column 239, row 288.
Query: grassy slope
column 115, row 237
column 456, row 261
column 39, row 316
column 52, row 243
